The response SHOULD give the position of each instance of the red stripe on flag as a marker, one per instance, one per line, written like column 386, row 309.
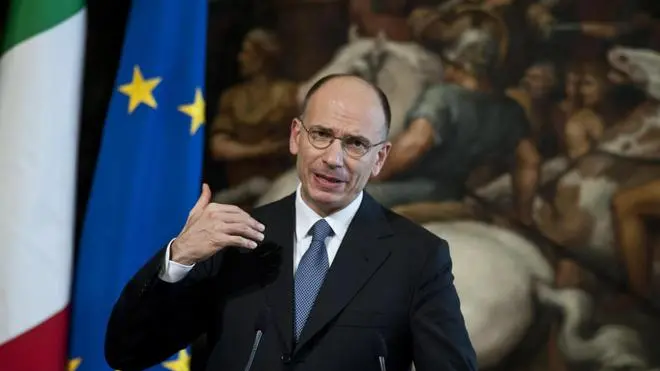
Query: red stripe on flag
column 43, row 348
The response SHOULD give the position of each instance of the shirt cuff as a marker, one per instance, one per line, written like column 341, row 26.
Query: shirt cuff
column 172, row 271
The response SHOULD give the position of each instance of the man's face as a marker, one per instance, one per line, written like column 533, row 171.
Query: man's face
column 331, row 178
column 539, row 80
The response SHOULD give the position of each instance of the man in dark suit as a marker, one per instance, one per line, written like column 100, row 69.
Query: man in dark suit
column 331, row 278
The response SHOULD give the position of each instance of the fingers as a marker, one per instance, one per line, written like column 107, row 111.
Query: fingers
column 233, row 214
column 243, row 230
column 231, row 225
column 203, row 201
column 239, row 241
column 242, row 219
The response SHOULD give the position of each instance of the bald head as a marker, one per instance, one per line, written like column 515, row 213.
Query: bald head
column 331, row 87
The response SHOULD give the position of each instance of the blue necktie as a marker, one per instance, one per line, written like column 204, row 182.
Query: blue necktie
column 310, row 274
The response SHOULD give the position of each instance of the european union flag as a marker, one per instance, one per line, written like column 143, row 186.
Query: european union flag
column 148, row 173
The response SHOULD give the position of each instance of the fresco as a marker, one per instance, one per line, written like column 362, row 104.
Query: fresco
column 546, row 181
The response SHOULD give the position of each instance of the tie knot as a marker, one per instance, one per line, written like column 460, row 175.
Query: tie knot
column 320, row 230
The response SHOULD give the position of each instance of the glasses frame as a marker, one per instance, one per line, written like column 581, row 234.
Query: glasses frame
column 341, row 139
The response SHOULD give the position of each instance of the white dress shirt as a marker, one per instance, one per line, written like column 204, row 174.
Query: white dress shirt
column 305, row 219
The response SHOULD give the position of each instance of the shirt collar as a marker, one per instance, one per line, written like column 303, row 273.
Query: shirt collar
column 338, row 221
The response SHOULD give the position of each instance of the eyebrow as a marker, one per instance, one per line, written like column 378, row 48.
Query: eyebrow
column 319, row 126
column 347, row 135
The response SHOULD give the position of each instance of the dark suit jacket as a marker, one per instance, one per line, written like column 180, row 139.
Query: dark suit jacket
column 390, row 279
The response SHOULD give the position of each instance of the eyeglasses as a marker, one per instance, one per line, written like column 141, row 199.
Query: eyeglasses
column 354, row 146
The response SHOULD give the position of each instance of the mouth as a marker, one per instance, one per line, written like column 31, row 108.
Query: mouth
column 328, row 178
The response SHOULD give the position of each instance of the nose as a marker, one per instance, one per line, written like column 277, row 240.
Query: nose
column 334, row 155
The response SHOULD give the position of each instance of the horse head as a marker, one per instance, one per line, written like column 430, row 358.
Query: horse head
column 641, row 66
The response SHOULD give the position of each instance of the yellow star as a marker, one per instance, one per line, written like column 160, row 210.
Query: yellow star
column 196, row 110
column 182, row 363
column 74, row 364
column 140, row 90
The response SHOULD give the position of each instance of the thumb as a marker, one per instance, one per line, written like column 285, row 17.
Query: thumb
column 203, row 200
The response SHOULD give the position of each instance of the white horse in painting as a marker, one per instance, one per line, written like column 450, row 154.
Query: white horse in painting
column 495, row 272
column 504, row 283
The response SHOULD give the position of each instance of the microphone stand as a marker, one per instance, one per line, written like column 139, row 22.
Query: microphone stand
column 257, row 340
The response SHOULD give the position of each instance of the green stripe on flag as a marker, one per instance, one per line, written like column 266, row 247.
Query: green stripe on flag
column 27, row 18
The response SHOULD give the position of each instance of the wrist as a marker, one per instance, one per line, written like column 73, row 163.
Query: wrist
column 177, row 256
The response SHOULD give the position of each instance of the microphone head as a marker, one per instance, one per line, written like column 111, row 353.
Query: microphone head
column 381, row 346
column 262, row 320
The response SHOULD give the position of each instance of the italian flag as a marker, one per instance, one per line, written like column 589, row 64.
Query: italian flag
column 41, row 66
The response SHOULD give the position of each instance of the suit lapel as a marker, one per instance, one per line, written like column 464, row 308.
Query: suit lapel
column 279, row 223
column 360, row 255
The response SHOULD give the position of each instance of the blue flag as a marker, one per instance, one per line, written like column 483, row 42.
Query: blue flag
column 148, row 174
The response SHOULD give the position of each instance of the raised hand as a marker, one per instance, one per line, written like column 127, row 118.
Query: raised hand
column 212, row 227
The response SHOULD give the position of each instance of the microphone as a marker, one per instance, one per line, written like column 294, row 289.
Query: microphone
column 381, row 351
column 260, row 327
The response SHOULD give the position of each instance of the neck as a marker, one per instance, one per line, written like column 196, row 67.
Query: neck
column 322, row 211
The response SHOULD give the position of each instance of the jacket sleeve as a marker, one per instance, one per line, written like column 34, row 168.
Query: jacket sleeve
column 153, row 319
column 440, row 337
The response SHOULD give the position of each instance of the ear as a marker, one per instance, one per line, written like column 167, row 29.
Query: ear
column 294, row 137
column 382, row 154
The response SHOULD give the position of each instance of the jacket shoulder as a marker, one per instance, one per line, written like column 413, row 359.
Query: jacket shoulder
column 419, row 236
column 417, row 247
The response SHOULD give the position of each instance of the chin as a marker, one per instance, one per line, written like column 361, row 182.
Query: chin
column 325, row 199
